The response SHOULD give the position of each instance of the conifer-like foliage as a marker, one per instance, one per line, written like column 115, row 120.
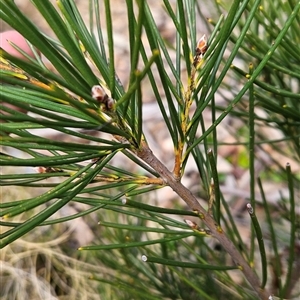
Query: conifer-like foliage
column 250, row 59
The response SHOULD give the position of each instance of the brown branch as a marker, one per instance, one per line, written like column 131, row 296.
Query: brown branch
column 146, row 155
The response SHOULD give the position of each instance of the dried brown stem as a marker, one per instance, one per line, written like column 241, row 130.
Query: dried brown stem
column 146, row 155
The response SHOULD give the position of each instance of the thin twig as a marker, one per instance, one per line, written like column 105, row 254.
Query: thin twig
column 146, row 154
